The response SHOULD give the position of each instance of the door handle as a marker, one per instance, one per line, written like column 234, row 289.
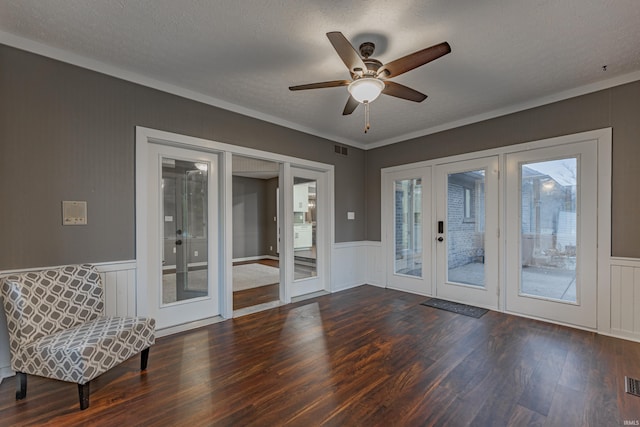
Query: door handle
column 440, row 239
column 178, row 242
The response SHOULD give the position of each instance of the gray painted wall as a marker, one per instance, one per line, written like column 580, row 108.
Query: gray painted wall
column 617, row 107
column 67, row 133
column 254, row 230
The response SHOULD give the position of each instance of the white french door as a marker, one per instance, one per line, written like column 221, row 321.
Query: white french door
column 309, row 256
column 530, row 240
column 466, row 232
column 407, row 214
column 552, row 233
column 182, row 244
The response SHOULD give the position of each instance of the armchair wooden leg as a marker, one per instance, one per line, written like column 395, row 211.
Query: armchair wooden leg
column 83, row 394
column 21, row 385
column 144, row 358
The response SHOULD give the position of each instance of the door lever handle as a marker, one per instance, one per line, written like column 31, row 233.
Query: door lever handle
column 178, row 242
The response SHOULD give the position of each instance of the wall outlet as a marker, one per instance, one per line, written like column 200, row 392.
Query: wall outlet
column 174, row 249
column 271, row 248
column 195, row 253
column 351, row 215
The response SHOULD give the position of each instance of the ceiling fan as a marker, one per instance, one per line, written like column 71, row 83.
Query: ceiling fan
column 369, row 77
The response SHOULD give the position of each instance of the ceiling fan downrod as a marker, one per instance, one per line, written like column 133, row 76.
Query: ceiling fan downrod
column 367, row 125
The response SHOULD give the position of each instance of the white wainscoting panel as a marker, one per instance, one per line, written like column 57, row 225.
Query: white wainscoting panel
column 625, row 298
column 348, row 265
column 119, row 282
column 357, row 263
column 5, row 356
column 376, row 265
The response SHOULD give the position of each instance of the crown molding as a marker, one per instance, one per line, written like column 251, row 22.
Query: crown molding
column 104, row 68
column 68, row 57
column 514, row 108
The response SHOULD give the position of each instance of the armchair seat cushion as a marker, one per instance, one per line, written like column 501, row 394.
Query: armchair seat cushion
column 85, row 351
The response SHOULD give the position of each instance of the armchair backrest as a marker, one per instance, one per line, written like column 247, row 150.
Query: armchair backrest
column 41, row 303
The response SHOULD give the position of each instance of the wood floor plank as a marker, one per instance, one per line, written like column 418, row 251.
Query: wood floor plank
column 365, row 356
column 260, row 295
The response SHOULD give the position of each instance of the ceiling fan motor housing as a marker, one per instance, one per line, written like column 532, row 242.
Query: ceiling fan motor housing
column 366, row 49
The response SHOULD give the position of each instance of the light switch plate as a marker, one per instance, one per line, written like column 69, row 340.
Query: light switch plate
column 351, row 215
column 74, row 212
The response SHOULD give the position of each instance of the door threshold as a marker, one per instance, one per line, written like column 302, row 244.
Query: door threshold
column 256, row 308
column 188, row 326
column 309, row 296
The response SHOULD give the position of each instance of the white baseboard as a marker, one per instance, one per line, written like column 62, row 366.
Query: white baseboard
column 188, row 326
column 256, row 258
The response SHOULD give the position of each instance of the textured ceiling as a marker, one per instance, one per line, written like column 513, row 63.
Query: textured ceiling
column 243, row 55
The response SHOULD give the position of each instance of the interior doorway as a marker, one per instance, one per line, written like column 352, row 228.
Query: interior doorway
column 228, row 168
column 256, row 258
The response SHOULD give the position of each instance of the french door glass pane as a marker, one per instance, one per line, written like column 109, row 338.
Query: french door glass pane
column 408, row 227
column 185, row 212
column 549, row 230
column 466, row 227
column 304, row 228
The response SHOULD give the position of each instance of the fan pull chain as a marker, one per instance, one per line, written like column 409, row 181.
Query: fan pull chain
column 367, row 125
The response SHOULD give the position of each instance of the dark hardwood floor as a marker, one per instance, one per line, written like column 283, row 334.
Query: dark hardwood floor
column 255, row 296
column 361, row 357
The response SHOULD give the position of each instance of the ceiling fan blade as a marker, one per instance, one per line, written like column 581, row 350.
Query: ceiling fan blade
column 414, row 60
column 404, row 92
column 320, row 85
column 346, row 52
column 350, row 107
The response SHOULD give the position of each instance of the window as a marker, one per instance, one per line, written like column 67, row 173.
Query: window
column 468, row 204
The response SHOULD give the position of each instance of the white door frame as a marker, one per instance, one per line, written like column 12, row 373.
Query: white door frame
column 487, row 296
column 583, row 311
column 322, row 281
column 604, row 142
column 200, row 307
column 420, row 285
column 145, row 136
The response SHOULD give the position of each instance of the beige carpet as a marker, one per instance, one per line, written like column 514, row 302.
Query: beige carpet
column 248, row 276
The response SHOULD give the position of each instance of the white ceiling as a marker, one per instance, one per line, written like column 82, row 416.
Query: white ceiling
column 242, row 55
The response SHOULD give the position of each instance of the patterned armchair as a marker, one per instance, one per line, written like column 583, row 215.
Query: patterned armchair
column 57, row 328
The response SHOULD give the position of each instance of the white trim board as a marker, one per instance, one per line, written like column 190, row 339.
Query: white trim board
column 255, row 258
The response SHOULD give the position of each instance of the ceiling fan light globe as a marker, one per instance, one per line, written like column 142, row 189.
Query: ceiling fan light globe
column 366, row 89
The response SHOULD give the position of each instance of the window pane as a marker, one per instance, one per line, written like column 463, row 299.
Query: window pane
column 465, row 227
column 408, row 227
column 549, row 229
column 304, row 228
column 185, row 258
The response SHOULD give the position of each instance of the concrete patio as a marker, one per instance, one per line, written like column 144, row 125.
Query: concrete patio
column 552, row 283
